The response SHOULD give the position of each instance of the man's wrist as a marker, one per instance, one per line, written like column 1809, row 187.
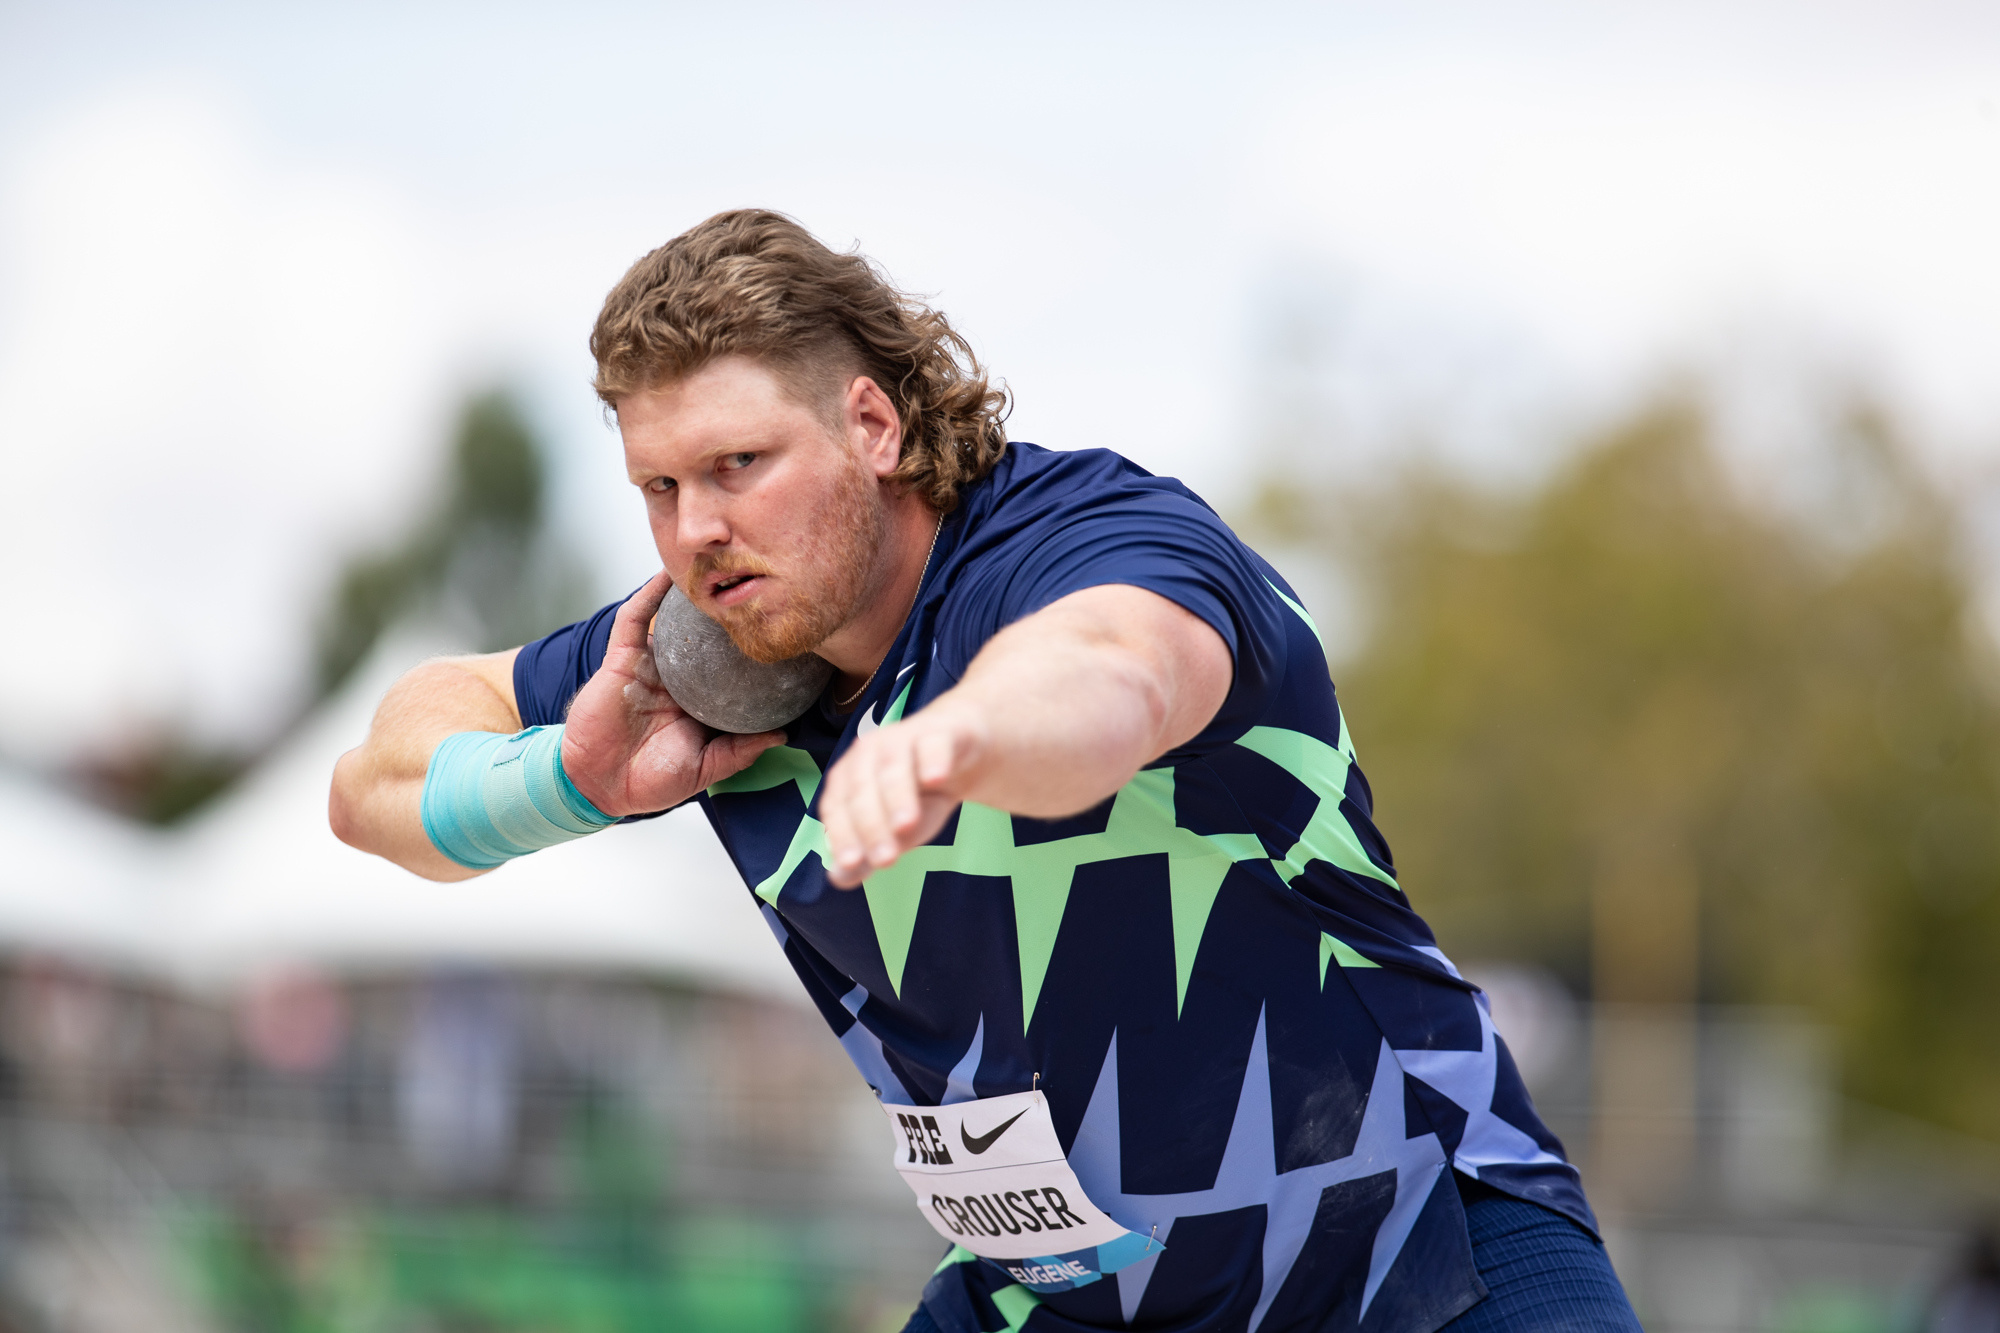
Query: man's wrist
column 956, row 735
column 571, row 759
column 582, row 777
column 489, row 797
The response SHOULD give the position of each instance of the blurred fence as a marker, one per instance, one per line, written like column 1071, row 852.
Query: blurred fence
column 552, row 1152
column 1739, row 1193
column 449, row 1151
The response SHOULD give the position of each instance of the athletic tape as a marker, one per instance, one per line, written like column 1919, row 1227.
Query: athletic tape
column 489, row 797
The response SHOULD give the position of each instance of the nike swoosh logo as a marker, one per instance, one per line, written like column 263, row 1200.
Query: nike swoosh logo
column 868, row 720
column 985, row 1141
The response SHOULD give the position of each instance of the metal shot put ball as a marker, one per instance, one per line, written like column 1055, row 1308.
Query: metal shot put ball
column 710, row 677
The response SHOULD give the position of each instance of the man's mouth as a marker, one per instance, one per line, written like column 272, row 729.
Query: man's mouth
column 720, row 589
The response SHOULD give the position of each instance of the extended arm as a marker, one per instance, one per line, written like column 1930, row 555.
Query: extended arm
column 377, row 785
column 1056, row 713
column 626, row 746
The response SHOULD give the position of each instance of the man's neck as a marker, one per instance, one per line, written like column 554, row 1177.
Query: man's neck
column 857, row 648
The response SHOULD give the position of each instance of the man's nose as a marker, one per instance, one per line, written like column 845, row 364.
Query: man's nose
column 699, row 522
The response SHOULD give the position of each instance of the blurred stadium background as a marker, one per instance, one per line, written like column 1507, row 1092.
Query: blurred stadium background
column 1616, row 387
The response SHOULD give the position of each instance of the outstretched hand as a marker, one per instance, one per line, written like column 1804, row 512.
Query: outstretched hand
column 628, row 747
column 895, row 788
column 1055, row 714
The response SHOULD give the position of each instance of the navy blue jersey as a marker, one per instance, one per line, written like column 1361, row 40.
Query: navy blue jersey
column 1252, row 1047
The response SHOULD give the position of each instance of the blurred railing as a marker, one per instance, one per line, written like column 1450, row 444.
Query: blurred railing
column 453, row 1150
column 1739, row 1193
column 549, row 1152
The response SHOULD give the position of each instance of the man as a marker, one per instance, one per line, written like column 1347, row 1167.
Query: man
column 1072, row 854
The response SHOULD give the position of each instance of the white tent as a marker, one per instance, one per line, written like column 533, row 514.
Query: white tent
column 260, row 879
column 72, row 878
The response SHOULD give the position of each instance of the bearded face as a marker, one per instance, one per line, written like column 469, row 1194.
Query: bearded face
column 811, row 591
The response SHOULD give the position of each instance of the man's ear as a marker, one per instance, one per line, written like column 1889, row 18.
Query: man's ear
column 874, row 426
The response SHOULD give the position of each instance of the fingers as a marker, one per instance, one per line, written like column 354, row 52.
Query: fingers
column 889, row 793
column 868, row 806
column 846, row 844
column 635, row 619
column 728, row 754
column 897, row 792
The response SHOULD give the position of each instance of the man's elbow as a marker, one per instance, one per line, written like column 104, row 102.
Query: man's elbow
column 1148, row 692
column 1171, row 668
column 344, row 804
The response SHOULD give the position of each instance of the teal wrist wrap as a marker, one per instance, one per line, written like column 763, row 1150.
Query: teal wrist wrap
column 489, row 798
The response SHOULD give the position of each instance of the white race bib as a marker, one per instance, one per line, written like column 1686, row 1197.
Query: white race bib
column 990, row 1175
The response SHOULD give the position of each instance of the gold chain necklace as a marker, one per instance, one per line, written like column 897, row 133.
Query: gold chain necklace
column 851, row 699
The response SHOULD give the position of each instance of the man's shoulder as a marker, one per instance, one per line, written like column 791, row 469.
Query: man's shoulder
column 1049, row 523
column 1027, row 466
column 549, row 671
column 1033, row 486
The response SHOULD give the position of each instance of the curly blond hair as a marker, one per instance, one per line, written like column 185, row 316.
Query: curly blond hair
column 751, row 282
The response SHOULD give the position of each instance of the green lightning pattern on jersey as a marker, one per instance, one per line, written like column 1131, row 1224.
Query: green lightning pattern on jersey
column 1141, row 823
column 1213, row 974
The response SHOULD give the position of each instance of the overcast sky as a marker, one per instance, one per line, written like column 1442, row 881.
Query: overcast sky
column 252, row 256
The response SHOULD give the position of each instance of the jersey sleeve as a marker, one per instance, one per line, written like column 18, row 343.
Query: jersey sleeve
column 549, row 672
column 1160, row 538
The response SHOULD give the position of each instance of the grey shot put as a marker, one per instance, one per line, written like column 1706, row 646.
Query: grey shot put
column 718, row 684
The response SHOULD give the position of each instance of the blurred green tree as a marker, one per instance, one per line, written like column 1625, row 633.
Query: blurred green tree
column 480, row 560
column 1676, row 742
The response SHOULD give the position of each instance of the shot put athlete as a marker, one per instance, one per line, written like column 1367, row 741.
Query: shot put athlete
column 1071, row 851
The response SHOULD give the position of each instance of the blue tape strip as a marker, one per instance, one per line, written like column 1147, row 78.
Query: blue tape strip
column 489, row 797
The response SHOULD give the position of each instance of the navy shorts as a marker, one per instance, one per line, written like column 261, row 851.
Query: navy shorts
column 1543, row 1272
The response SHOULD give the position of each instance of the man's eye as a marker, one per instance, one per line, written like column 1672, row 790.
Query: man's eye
column 660, row 485
column 736, row 462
